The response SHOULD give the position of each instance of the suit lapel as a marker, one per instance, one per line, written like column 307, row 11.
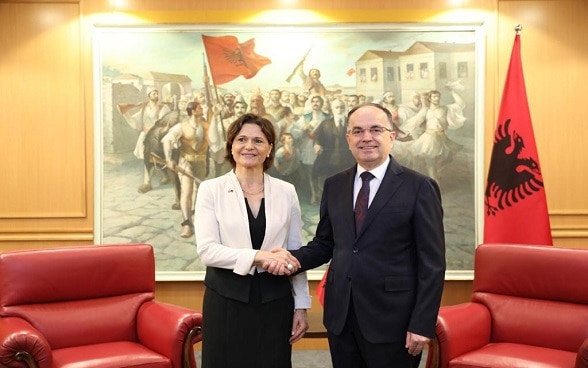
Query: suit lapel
column 344, row 200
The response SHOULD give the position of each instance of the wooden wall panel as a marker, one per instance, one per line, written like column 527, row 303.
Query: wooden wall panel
column 41, row 88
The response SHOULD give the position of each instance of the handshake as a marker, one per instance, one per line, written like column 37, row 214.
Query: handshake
column 278, row 261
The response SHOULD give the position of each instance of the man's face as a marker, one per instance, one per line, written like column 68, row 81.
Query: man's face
column 316, row 103
column 287, row 139
column 369, row 149
column 182, row 105
column 314, row 74
column 197, row 111
column 352, row 101
column 338, row 108
column 229, row 99
column 274, row 95
column 435, row 97
column 390, row 99
column 285, row 97
column 154, row 95
column 240, row 109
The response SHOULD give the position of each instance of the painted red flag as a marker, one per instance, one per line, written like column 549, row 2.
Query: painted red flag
column 515, row 203
column 229, row 59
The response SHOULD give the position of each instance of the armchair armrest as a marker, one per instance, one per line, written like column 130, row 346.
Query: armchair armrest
column 582, row 358
column 170, row 330
column 21, row 343
column 460, row 328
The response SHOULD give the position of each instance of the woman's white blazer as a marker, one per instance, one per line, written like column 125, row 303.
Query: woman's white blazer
column 222, row 228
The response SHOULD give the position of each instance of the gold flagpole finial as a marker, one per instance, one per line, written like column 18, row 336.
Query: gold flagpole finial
column 518, row 28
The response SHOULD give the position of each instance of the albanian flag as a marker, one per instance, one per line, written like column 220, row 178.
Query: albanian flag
column 229, row 59
column 515, row 203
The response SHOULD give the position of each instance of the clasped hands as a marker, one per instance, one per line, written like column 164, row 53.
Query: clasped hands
column 277, row 261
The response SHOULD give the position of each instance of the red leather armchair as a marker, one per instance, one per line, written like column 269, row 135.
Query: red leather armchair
column 90, row 306
column 529, row 308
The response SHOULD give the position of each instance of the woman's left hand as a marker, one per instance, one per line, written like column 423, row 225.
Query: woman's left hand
column 299, row 325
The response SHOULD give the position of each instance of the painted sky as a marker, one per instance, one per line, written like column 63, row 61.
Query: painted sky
column 333, row 50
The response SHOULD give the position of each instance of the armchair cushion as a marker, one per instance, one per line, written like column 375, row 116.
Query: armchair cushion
column 108, row 319
column 110, row 355
column 493, row 355
column 90, row 306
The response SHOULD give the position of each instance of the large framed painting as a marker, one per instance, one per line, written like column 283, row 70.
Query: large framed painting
column 430, row 77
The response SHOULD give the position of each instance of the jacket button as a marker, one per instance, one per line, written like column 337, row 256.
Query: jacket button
column 355, row 250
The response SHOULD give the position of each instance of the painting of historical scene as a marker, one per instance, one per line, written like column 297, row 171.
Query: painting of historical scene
column 151, row 159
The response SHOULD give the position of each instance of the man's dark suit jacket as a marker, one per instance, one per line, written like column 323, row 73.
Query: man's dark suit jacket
column 393, row 270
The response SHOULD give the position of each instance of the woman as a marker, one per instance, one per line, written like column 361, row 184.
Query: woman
column 251, row 317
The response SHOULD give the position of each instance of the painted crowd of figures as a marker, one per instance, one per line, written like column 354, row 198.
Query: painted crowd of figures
column 185, row 137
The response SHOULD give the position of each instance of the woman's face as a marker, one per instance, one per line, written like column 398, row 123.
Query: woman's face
column 250, row 147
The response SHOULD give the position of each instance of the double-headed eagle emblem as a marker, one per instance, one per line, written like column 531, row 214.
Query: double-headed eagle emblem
column 512, row 177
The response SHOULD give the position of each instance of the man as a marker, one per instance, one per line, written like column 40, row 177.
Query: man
column 227, row 109
column 303, row 132
column 154, row 147
column 287, row 98
column 352, row 101
column 433, row 149
column 217, row 136
column 274, row 103
column 330, row 145
column 385, row 280
column 312, row 82
column 142, row 121
column 300, row 107
column 192, row 166
column 389, row 102
column 407, row 111
column 400, row 149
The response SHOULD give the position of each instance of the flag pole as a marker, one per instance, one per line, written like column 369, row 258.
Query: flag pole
column 518, row 28
column 298, row 66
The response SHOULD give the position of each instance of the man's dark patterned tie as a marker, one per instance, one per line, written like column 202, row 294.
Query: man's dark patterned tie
column 361, row 203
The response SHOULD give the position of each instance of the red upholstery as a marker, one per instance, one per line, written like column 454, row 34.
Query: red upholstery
column 582, row 358
column 529, row 308
column 90, row 306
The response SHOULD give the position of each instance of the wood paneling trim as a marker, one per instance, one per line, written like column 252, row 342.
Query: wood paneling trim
column 569, row 212
column 569, row 224
column 576, row 234
column 80, row 213
column 46, row 236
